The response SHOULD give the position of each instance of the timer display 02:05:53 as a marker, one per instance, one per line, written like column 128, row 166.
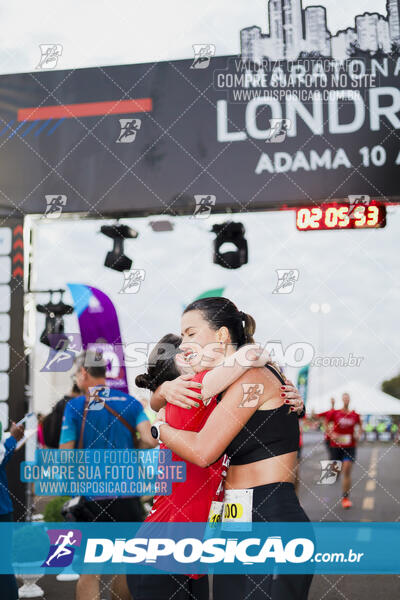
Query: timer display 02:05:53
column 340, row 216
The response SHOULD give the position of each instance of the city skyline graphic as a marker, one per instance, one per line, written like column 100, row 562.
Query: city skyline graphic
column 296, row 32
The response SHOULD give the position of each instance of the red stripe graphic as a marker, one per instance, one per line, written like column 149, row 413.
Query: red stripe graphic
column 18, row 229
column 18, row 244
column 18, row 257
column 88, row 109
column 18, row 271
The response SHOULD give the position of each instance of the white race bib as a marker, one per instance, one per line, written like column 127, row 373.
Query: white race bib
column 344, row 439
column 238, row 509
column 215, row 514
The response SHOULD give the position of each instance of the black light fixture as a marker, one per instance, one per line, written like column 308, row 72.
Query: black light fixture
column 116, row 258
column 230, row 233
column 54, row 318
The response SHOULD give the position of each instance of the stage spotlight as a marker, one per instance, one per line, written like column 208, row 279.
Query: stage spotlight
column 54, row 319
column 230, row 233
column 116, row 258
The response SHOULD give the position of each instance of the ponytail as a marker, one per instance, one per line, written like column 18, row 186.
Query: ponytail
column 249, row 328
column 145, row 381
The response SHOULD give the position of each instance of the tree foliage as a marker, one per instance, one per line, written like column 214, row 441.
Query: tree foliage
column 392, row 386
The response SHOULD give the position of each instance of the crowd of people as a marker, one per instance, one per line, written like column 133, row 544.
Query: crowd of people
column 235, row 450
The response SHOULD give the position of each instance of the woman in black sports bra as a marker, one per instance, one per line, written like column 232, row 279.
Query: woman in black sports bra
column 252, row 424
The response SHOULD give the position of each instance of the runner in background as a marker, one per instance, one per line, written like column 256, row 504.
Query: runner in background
column 325, row 417
column 345, row 432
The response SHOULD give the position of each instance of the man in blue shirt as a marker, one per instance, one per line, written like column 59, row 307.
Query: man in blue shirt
column 8, row 584
column 107, row 423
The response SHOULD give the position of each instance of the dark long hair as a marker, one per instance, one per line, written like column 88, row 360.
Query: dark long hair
column 221, row 312
column 161, row 366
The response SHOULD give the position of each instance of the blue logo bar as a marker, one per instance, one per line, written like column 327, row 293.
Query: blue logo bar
column 336, row 548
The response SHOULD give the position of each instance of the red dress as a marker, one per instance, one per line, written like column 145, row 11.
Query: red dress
column 191, row 499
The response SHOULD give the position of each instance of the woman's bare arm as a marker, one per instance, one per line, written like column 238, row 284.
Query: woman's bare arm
column 157, row 399
column 217, row 380
column 214, row 382
column 177, row 392
column 234, row 366
column 227, row 419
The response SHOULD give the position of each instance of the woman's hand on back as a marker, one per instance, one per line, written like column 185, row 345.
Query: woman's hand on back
column 176, row 391
column 258, row 356
column 292, row 396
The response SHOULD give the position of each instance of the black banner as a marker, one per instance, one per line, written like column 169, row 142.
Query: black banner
column 148, row 138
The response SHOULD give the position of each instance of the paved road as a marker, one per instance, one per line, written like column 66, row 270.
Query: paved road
column 375, row 491
column 376, row 497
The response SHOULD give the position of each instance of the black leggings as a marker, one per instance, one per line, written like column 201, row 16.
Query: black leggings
column 271, row 502
column 167, row 587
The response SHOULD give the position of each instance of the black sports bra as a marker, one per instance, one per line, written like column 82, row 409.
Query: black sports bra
column 267, row 433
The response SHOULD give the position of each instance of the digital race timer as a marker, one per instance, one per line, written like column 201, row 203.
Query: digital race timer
column 341, row 216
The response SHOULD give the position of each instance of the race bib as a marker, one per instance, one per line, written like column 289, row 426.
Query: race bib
column 238, row 510
column 344, row 439
column 215, row 514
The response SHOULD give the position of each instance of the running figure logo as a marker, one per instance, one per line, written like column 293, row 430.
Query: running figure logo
column 251, row 394
column 97, row 397
column 61, row 553
column 129, row 129
column 355, row 203
column 204, row 204
column 202, row 55
column 286, row 280
column 278, row 130
column 330, row 470
column 50, row 54
column 132, row 281
column 62, row 353
column 55, row 205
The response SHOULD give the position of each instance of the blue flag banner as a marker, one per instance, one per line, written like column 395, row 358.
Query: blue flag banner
column 336, row 548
